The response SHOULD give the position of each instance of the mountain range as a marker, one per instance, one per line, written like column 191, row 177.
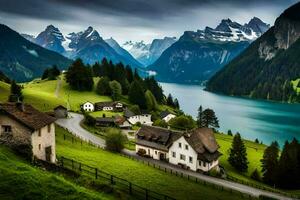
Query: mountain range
column 267, row 68
column 87, row 45
column 148, row 53
column 23, row 60
column 196, row 56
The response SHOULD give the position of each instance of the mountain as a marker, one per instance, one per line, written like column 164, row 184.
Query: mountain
column 196, row 56
column 122, row 52
column 31, row 38
column 148, row 53
column 23, row 60
column 51, row 39
column 267, row 68
column 87, row 45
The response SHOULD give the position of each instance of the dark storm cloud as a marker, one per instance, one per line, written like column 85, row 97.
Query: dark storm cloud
column 60, row 9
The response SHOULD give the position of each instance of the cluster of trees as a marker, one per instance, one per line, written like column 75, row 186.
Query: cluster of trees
column 117, row 80
column 51, row 73
column 79, row 76
column 15, row 92
column 282, row 170
column 172, row 103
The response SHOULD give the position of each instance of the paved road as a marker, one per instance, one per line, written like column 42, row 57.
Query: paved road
column 73, row 125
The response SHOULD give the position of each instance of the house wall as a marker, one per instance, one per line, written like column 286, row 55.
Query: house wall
column 169, row 117
column 154, row 153
column 190, row 152
column 20, row 134
column 88, row 107
column 107, row 108
column 205, row 166
column 45, row 139
column 143, row 119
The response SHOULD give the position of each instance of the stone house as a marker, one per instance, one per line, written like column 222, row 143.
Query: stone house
column 21, row 124
column 196, row 150
column 60, row 112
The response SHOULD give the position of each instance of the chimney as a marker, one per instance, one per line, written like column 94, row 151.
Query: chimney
column 20, row 106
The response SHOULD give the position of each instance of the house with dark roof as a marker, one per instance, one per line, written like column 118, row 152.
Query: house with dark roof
column 167, row 115
column 109, row 106
column 105, row 121
column 21, row 124
column 60, row 112
column 196, row 150
column 143, row 118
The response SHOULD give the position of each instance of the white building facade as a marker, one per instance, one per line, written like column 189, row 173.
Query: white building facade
column 169, row 117
column 88, row 107
column 143, row 119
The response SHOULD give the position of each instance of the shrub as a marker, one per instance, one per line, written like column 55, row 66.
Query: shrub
column 255, row 175
column 160, row 123
column 141, row 152
column 182, row 122
column 115, row 140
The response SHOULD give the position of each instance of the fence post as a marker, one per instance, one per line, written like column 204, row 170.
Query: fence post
column 72, row 164
column 96, row 173
column 64, row 137
column 130, row 188
column 112, row 179
column 79, row 166
column 72, row 140
column 146, row 194
column 62, row 161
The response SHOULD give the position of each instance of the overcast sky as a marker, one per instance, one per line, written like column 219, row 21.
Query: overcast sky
column 133, row 19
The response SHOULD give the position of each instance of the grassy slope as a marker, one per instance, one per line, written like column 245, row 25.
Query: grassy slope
column 19, row 180
column 4, row 91
column 138, row 173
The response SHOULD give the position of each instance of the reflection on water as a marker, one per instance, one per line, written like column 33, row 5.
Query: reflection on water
column 267, row 121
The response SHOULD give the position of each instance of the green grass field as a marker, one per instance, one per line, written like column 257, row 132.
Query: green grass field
column 20, row 180
column 137, row 172
column 4, row 91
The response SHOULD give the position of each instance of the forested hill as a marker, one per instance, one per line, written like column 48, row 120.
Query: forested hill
column 267, row 68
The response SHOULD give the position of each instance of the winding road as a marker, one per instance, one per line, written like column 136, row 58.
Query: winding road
column 72, row 124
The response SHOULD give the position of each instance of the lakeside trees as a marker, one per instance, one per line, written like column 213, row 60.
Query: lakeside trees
column 282, row 171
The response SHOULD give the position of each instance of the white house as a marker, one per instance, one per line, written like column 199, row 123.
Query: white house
column 22, row 125
column 133, row 118
column 88, row 107
column 167, row 116
column 109, row 106
column 196, row 150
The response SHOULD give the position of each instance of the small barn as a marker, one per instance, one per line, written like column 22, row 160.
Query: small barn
column 60, row 112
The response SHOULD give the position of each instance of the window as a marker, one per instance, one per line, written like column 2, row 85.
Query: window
column 179, row 144
column 40, row 146
column 187, row 147
column 182, row 157
column 40, row 133
column 204, row 164
column 173, row 154
column 49, row 128
column 191, row 159
column 155, row 152
column 6, row 129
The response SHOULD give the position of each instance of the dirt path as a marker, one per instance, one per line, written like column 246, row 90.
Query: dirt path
column 58, row 86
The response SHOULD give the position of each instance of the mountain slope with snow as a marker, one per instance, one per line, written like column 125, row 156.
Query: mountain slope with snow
column 196, row 56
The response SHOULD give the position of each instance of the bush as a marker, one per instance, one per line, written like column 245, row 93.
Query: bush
column 115, row 140
column 160, row 123
column 141, row 152
column 182, row 122
column 229, row 133
column 255, row 175
column 214, row 173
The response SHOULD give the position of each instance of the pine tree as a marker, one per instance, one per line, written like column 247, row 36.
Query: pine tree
column 176, row 104
column 209, row 119
column 15, row 92
column 269, row 163
column 170, row 101
column 136, row 95
column 200, row 117
column 238, row 154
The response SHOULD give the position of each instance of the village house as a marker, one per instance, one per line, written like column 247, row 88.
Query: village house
column 122, row 122
column 167, row 116
column 105, row 121
column 133, row 118
column 60, row 112
column 196, row 150
column 109, row 106
column 88, row 107
column 21, row 124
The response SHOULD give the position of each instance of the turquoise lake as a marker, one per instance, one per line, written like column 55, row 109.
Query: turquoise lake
column 267, row 121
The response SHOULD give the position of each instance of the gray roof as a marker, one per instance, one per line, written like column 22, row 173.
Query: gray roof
column 128, row 113
column 105, row 119
column 157, row 137
column 165, row 113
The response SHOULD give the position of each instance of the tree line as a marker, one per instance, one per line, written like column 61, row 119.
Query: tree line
column 117, row 80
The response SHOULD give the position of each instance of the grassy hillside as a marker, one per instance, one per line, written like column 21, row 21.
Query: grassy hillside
column 137, row 172
column 4, row 91
column 19, row 180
